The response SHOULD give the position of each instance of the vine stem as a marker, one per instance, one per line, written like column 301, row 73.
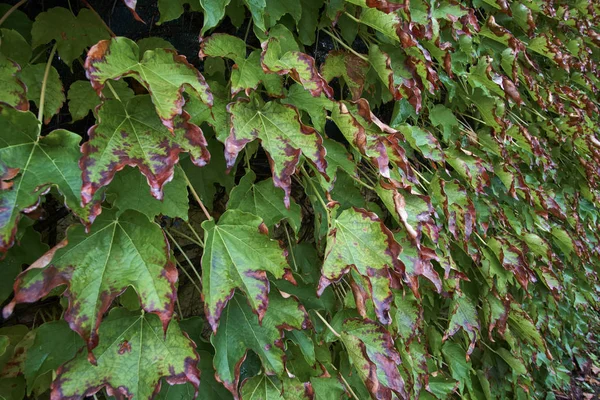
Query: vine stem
column 184, row 255
column 347, row 384
column 88, row 5
column 310, row 182
column 195, row 194
column 337, row 335
column 291, row 248
column 350, row 49
column 11, row 10
column 44, row 82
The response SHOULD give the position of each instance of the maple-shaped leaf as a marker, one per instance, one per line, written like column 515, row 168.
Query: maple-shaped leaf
column 338, row 159
column 264, row 200
column 33, row 76
column 42, row 162
column 238, row 254
column 343, row 64
column 359, row 239
column 316, row 107
column 247, row 72
column 133, row 355
column 12, row 89
column 283, row 136
column 463, row 315
column 83, row 98
column 122, row 251
column 371, row 350
column 118, row 58
column 264, row 387
column 73, row 34
column 14, row 46
column 281, row 55
column 241, row 331
column 132, row 134
column 215, row 116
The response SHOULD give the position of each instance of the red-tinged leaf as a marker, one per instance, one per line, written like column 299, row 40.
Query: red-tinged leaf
column 387, row 6
column 358, row 239
column 346, row 65
column 458, row 207
column 132, row 358
column 241, row 331
column 131, row 4
column 512, row 259
column 238, row 255
column 123, row 251
column 33, row 165
column 371, row 350
column 463, row 315
column 281, row 133
column 417, row 262
column 284, row 58
column 12, row 90
column 119, row 58
column 132, row 134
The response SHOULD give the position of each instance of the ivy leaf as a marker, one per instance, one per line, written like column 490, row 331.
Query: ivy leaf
column 238, row 254
column 54, row 344
column 327, row 388
column 463, row 315
column 129, row 187
column 263, row 387
column 83, row 98
column 423, row 141
column 14, row 46
column 132, row 357
column 284, row 59
column 358, row 239
column 17, row 20
column 214, row 11
column 316, row 107
column 338, row 159
column 241, row 331
column 122, row 251
column 460, row 367
column 371, row 350
column 282, row 135
column 385, row 5
column 12, row 89
column 215, row 116
column 73, row 34
column 42, row 162
column 120, row 57
column 343, row 64
column 257, row 9
column 132, row 134
column 263, row 200
column 247, row 72
column 33, row 76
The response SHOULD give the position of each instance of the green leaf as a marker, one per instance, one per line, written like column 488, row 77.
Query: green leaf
column 12, row 89
column 516, row 364
column 132, row 134
column 153, row 43
column 238, row 254
column 460, row 367
column 263, row 387
column 358, row 239
column 17, row 20
column 215, row 116
column 264, row 200
column 123, row 251
column 371, row 350
column 132, row 357
column 120, row 57
column 338, row 159
column 214, row 11
column 204, row 179
column 276, row 58
column 316, row 107
column 282, row 135
column 247, row 72
column 43, row 162
column 54, row 344
column 14, row 46
column 130, row 189
column 241, row 331
column 327, row 388
column 73, row 34
column 83, row 98
column 257, row 9
column 33, row 76
column 423, row 141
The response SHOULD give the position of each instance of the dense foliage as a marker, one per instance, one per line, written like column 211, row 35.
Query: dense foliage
column 330, row 199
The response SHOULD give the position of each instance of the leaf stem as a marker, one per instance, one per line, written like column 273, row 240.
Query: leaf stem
column 195, row 194
column 184, row 255
column 88, row 5
column 112, row 90
column 337, row 335
column 187, row 274
column 44, row 83
column 357, row 180
column 341, row 42
column 290, row 244
column 310, row 182
column 183, row 235
column 195, row 233
column 11, row 10
column 347, row 385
